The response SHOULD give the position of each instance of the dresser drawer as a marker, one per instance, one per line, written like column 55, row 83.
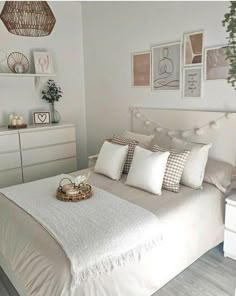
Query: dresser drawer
column 230, row 218
column 9, row 143
column 45, row 154
column 230, row 242
column 47, row 137
column 10, row 177
column 48, row 169
column 10, row 161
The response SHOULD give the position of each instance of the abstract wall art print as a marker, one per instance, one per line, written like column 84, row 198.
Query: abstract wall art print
column 141, row 69
column 166, row 61
column 192, row 82
column 216, row 64
column 193, row 48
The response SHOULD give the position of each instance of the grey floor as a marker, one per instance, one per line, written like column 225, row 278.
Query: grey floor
column 211, row 275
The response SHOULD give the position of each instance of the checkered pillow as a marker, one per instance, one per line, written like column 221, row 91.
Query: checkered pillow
column 174, row 167
column 116, row 139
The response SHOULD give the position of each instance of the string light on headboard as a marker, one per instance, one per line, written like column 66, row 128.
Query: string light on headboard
column 184, row 132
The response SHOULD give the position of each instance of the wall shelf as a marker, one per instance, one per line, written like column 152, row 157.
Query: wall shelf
column 36, row 77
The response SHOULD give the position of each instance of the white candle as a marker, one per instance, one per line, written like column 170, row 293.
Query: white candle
column 13, row 122
column 10, row 118
column 22, row 120
column 18, row 121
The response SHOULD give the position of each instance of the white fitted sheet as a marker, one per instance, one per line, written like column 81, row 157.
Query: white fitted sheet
column 192, row 222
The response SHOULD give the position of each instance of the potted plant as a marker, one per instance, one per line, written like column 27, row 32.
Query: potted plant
column 52, row 93
column 230, row 23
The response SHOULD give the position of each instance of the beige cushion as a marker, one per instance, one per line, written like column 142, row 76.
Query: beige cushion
column 219, row 173
column 174, row 167
column 194, row 170
column 116, row 139
column 111, row 160
column 147, row 170
column 143, row 140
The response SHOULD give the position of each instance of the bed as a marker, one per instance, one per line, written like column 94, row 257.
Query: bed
column 192, row 223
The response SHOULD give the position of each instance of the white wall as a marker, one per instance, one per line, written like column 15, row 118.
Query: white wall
column 66, row 45
column 113, row 30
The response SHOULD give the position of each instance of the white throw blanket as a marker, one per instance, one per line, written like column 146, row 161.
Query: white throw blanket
column 97, row 234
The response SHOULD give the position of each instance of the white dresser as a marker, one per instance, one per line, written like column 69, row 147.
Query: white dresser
column 230, row 227
column 36, row 153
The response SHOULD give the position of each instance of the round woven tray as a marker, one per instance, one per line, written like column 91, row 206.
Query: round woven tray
column 84, row 193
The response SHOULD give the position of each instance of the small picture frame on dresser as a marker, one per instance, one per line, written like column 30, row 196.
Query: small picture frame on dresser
column 41, row 117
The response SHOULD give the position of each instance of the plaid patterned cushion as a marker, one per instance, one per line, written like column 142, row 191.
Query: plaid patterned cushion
column 174, row 167
column 132, row 144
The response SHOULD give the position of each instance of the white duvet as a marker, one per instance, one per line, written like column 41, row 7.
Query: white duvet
column 97, row 235
column 192, row 222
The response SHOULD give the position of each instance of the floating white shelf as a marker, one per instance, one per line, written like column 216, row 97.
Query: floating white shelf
column 27, row 75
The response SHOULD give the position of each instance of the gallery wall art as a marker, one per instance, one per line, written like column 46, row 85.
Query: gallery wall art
column 166, row 64
column 216, row 64
column 193, row 48
column 192, row 80
column 170, row 72
column 141, row 69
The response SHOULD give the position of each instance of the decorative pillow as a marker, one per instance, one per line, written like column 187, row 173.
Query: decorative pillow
column 111, row 160
column 144, row 140
column 219, row 173
column 174, row 167
column 194, row 169
column 132, row 144
column 147, row 170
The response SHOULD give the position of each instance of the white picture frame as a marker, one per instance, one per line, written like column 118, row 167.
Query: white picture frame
column 192, row 83
column 137, row 81
column 166, row 67
column 43, row 62
column 215, row 67
column 41, row 117
column 191, row 40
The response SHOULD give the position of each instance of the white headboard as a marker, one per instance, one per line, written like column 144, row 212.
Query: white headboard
column 222, row 135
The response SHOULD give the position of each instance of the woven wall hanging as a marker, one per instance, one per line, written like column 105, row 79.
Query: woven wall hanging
column 28, row 18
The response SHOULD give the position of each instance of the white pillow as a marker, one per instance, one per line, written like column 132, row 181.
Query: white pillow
column 147, row 170
column 111, row 160
column 142, row 139
column 194, row 170
column 219, row 173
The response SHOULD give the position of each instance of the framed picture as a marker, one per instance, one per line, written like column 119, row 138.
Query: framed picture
column 192, row 86
column 41, row 117
column 166, row 62
column 141, row 69
column 193, row 48
column 216, row 65
column 43, row 63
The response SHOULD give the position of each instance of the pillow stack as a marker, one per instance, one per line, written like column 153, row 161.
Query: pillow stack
column 151, row 170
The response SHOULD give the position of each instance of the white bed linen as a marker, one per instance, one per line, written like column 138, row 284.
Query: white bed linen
column 192, row 222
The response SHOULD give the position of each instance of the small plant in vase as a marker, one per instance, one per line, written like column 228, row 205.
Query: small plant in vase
column 52, row 93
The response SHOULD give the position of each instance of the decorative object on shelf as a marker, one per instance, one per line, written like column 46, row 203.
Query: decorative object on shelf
column 52, row 93
column 42, row 117
column 74, row 191
column 43, row 62
column 141, row 69
column 193, row 48
column 166, row 61
column 229, row 23
column 216, row 63
column 28, row 18
column 192, row 82
column 183, row 132
column 17, row 62
column 16, row 122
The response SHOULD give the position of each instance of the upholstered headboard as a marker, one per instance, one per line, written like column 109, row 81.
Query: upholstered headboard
column 218, row 128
